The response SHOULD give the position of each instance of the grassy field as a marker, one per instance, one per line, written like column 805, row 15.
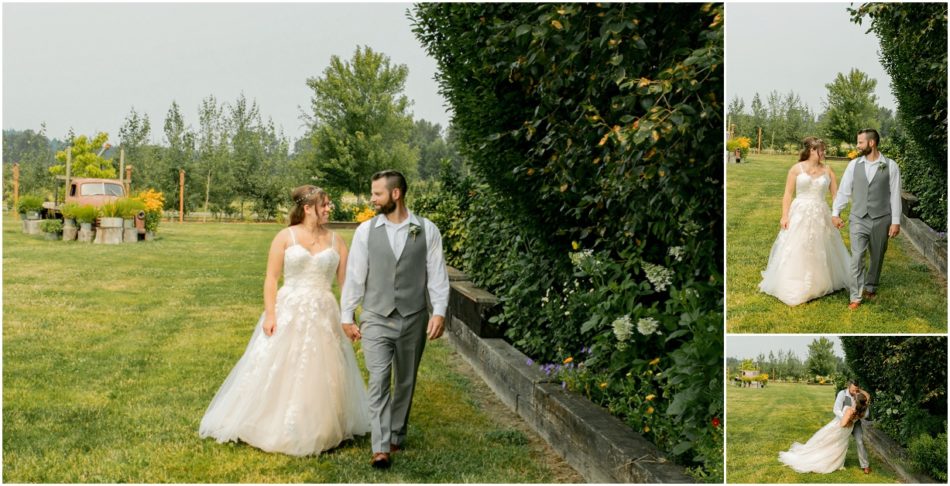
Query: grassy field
column 762, row 422
column 111, row 355
column 912, row 297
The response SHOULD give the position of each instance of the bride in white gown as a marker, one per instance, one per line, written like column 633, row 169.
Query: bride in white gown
column 297, row 388
column 825, row 451
column 808, row 259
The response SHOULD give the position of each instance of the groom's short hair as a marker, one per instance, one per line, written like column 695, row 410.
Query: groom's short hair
column 871, row 134
column 394, row 179
column 854, row 382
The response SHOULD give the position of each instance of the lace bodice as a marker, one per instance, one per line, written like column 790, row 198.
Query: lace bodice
column 303, row 269
column 810, row 187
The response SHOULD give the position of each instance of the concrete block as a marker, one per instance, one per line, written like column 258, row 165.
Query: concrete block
column 892, row 454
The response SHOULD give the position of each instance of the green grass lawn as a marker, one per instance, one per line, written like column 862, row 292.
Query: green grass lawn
column 912, row 297
column 111, row 355
column 761, row 422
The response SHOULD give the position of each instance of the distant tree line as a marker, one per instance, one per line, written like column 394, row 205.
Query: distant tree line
column 238, row 162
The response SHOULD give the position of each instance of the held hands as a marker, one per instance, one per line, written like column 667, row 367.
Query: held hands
column 436, row 327
column 352, row 331
column 894, row 230
column 837, row 222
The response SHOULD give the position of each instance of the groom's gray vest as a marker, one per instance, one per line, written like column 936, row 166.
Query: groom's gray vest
column 872, row 199
column 395, row 284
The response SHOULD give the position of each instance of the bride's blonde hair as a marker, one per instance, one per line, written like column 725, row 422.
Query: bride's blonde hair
column 809, row 144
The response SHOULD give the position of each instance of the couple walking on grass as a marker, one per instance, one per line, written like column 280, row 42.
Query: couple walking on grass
column 297, row 389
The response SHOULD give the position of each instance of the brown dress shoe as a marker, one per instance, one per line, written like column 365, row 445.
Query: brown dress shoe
column 869, row 295
column 394, row 448
column 867, row 470
column 854, row 305
column 380, row 460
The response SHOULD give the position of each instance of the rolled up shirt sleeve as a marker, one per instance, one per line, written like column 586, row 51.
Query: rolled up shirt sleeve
column 357, row 266
column 844, row 190
column 438, row 276
column 895, row 179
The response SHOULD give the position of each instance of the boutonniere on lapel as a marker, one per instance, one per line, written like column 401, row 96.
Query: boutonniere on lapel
column 413, row 230
column 883, row 165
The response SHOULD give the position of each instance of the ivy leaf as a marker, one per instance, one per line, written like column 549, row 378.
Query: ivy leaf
column 522, row 30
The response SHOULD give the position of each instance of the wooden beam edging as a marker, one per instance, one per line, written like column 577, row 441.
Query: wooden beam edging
column 893, row 455
column 598, row 445
column 927, row 242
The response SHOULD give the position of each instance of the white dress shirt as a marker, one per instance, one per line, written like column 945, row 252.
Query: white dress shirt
column 357, row 264
column 870, row 169
column 839, row 404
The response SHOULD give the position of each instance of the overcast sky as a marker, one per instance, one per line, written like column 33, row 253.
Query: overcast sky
column 798, row 47
column 86, row 65
column 742, row 347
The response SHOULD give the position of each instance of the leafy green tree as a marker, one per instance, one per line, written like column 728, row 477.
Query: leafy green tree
column 178, row 156
column 426, row 139
column 211, row 159
column 821, row 357
column 851, row 106
column 748, row 365
column 86, row 161
column 143, row 157
column 34, row 152
column 361, row 122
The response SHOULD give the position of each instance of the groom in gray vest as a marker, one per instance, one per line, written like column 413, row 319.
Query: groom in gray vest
column 873, row 184
column 395, row 262
column 846, row 398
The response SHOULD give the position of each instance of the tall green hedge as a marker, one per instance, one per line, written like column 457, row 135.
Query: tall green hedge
column 907, row 379
column 914, row 52
column 594, row 134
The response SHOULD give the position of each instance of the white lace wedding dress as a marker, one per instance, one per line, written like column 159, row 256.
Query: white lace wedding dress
column 823, row 453
column 809, row 259
column 299, row 391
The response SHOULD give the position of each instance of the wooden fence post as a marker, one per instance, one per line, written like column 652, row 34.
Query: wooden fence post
column 181, row 195
column 16, row 190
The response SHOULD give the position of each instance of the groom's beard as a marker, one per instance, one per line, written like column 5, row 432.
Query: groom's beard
column 386, row 208
column 866, row 151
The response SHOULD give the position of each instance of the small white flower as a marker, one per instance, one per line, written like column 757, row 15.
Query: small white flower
column 658, row 275
column 647, row 325
column 676, row 252
column 579, row 257
column 623, row 328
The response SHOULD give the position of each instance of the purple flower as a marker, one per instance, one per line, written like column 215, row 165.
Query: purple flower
column 585, row 350
column 529, row 362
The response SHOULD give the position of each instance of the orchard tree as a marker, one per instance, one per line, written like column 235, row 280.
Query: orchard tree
column 86, row 161
column 821, row 358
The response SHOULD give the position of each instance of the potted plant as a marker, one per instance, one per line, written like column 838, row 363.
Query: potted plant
column 129, row 209
column 86, row 215
column 69, row 214
column 52, row 228
column 154, row 201
column 30, row 205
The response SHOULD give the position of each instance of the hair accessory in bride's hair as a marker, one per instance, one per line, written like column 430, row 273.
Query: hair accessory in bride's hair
column 306, row 197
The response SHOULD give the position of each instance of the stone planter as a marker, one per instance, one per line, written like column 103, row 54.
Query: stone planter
column 70, row 233
column 128, row 223
column 149, row 236
column 85, row 226
column 31, row 226
column 69, row 223
column 51, row 236
column 32, row 215
column 110, row 231
column 86, row 235
column 130, row 235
